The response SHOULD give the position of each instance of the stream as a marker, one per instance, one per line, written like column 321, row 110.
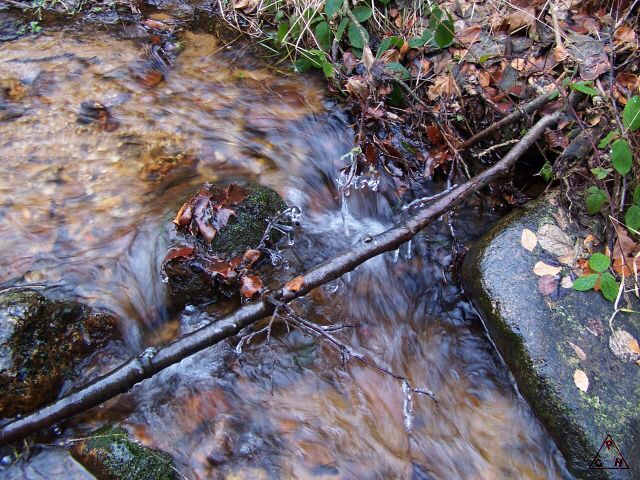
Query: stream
column 86, row 209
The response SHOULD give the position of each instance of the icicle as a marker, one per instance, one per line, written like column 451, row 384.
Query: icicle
column 407, row 405
column 344, row 212
column 409, row 249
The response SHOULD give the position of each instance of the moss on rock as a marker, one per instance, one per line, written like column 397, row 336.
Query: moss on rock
column 187, row 277
column 41, row 342
column 110, row 454
column 246, row 228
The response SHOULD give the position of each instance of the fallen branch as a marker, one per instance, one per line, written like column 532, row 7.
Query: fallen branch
column 152, row 361
column 513, row 117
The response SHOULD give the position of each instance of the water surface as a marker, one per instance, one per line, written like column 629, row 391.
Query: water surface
column 85, row 210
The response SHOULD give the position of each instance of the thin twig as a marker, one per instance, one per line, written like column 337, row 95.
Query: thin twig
column 530, row 107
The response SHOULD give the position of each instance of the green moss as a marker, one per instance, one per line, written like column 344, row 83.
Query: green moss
column 246, row 229
column 110, row 453
column 43, row 340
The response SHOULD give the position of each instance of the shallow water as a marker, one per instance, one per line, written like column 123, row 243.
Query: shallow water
column 85, row 211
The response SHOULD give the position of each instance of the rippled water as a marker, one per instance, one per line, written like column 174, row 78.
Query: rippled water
column 86, row 209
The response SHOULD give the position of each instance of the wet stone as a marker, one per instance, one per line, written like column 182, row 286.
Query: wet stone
column 546, row 339
column 41, row 342
column 110, row 454
column 202, row 263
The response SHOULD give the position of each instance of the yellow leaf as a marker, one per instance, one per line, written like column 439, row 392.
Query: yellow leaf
column 528, row 239
column 542, row 269
column 581, row 380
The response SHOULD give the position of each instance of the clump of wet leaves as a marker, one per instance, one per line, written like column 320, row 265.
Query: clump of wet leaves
column 228, row 276
column 203, row 216
column 209, row 211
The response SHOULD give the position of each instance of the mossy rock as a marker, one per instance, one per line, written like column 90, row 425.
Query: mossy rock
column 537, row 336
column 186, row 280
column 246, row 229
column 110, row 454
column 41, row 342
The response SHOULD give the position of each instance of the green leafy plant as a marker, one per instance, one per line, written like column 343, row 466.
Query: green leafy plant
column 336, row 21
column 609, row 286
column 620, row 156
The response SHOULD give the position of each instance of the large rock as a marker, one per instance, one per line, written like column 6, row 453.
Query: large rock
column 41, row 342
column 110, row 454
column 545, row 339
column 216, row 229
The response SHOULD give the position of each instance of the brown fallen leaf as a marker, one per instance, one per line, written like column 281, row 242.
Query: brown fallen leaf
column 295, row 284
column 156, row 25
column 251, row 256
column 528, row 239
column 552, row 239
column 542, row 269
column 177, row 252
column 250, row 285
column 624, row 345
column 579, row 352
column 581, row 380
column 547, row 284
column 469, row 35
column 234, row 194
column 443, row 86
column 184, row 215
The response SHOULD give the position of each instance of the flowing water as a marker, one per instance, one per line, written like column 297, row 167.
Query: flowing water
column 85, row 210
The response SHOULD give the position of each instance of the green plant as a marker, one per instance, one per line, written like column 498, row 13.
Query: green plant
column 335, row 21
column 608, row 284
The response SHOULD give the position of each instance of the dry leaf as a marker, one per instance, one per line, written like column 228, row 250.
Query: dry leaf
column 579, row 352
column 484, row 78
column 528, row 239
column 560, row 53
column 569, row 259
column 295, row 284
column 367, row 57
column 581, row 380
column 595, row 327
column 251, row 256
column 469, row 35
column 566, row 282
column 523, row 18
column 590, row 242
column 547, row 284
column 552, row 239
column 624, row 35
column 624, row 345
column 250, row 285
column 542, row 269
column 444, row 85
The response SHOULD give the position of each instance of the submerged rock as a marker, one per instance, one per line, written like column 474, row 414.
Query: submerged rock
column 41, row 342
column 110, row 454
column 557, row 341
column 219, row 231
